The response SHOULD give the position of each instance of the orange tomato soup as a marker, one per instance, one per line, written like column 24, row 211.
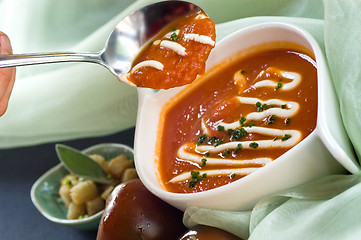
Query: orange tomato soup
column 176, row 55
column 237, row 119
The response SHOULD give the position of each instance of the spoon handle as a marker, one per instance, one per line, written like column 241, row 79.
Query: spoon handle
column 41, row 58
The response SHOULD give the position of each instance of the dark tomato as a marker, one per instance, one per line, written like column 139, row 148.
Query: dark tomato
column 201, row 232
column 132, row 213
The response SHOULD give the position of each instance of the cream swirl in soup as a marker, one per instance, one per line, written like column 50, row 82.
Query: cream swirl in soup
column 237, row 119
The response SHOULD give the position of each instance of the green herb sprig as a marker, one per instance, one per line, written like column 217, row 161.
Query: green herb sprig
column 253, row 145
column 195, row 178
column 81, row 165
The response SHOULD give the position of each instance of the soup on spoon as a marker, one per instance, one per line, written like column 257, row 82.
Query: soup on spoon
column 176, row 55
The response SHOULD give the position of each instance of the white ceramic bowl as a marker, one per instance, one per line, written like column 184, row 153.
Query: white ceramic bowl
column 325, row 151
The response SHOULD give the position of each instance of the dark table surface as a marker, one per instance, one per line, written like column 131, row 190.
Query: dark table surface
column 19, row 169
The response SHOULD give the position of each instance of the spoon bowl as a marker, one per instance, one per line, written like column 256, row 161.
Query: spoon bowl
column 123, row 44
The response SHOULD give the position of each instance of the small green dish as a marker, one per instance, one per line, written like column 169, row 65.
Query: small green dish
column 44, row 192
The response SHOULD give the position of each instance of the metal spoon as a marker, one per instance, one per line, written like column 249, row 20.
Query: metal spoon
column 123, row 44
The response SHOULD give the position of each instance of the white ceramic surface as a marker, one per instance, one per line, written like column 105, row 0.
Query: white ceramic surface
column 325, row 151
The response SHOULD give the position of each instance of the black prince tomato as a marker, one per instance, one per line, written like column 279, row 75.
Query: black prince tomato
column 132, row 213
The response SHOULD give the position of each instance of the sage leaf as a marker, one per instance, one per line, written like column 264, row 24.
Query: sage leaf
column 80, row 164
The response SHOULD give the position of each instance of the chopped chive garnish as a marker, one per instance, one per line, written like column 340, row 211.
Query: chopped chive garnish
column 250, row 125
column 278, row 86
column 242, row 120
column 243, row 72
column 239, row 148
column 226, row 152
column 174, row 36
column 284, row 106
column 207, row 154
column 253, row 145
column 174, row 29
column 239, row 133
column 220, row 128
column 271, row 119
column 195, row 178
column 233, row 175
column 212, row 140
column 230, row 131
column 264, row 106
column 261, row 107
column 286, row 137
column 151, row 43
column 275, row 138
column 202, row 139
column 204, row 162
column 218, row 141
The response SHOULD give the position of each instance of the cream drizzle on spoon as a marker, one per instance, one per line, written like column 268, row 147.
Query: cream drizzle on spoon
column 176, row 47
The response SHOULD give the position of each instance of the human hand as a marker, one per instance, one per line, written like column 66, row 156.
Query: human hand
column 7, row 75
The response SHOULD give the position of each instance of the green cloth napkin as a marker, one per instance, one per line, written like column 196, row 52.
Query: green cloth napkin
column 329, row 207
column 66, row 101
column 324, row 209
column 72, row 100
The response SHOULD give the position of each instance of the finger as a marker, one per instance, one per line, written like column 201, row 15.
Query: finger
column 7, row 75
column 4, row 100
